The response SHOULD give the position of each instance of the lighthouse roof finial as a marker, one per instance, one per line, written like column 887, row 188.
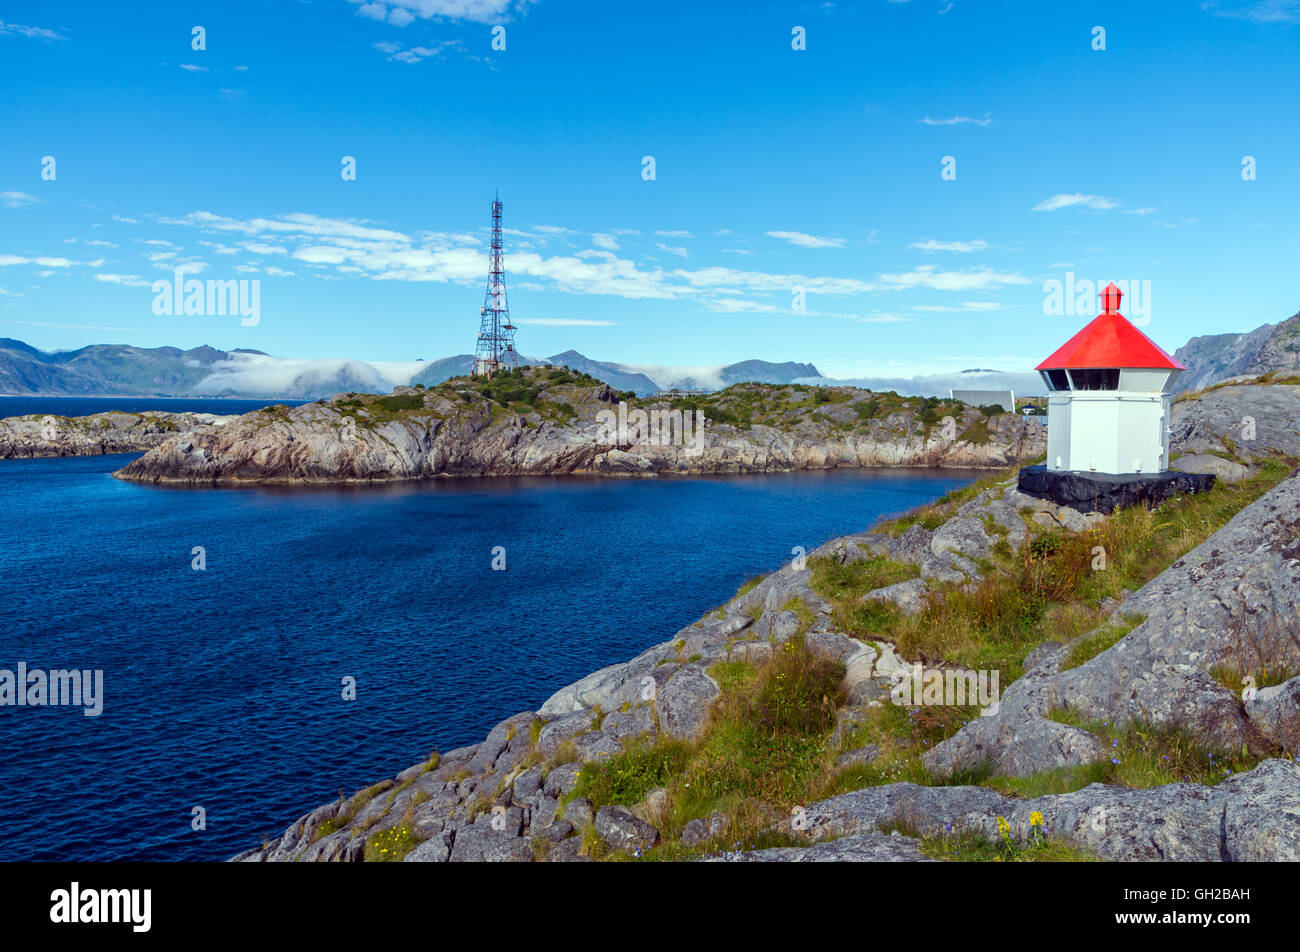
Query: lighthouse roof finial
column 1110, row 298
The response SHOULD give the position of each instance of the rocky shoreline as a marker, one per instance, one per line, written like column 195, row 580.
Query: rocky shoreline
column 515, row 795
column 40, row 435
column 559, row 429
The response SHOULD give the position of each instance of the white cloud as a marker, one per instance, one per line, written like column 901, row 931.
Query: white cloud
column 740, row 305
column 806, row 241
column 33, row 32
column 47, row 262
column 1069, row 200
column 956, row 121
column 928, row 276
column 130, row 280
column 415, row 54
column 402, row 12
column 672, row 250
column 674, row 234
column 220, row 248
column 260, row 374
column 300, row 224
column 668, row 377
column 608, row 242
column 964, row 307
column 191, row 68
column 929, row 383
column 1256, row 11
column 337, row 247
column 17, row 199
column 165, row 262
column 715, row 278
column 963, row 247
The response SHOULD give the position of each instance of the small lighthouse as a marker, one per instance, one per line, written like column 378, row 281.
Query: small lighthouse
column 1110, row 389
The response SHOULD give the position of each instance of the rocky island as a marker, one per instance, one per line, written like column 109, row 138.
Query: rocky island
column 545, row 421
column 44, row 434
column 1149, row 702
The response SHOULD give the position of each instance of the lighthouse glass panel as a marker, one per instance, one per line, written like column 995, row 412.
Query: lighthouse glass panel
column 1094, row 379
column 1057, row 380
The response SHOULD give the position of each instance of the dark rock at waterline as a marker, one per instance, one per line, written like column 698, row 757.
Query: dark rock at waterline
column 1103, row 492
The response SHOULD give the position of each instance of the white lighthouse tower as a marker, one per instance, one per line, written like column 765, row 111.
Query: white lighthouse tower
column 1110, row 394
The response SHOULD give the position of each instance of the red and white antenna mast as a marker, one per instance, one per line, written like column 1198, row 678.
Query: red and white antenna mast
column 496, row 335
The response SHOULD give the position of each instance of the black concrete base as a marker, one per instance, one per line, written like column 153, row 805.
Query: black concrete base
column 1102, row 492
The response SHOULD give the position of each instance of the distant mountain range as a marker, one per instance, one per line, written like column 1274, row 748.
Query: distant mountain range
column 1217, row 357
column 123, row 370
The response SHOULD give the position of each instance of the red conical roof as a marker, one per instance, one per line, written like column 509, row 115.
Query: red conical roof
column 1110, row 340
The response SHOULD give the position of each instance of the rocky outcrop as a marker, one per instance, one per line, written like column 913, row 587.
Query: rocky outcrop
column 1231, row 602
column 1250, row 817
column 855, row 848
column 1247, row 420
column 461, row 432
column 1236, row 593
column 43, row 434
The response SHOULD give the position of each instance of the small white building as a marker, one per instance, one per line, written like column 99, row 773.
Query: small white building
column 1110, row 396
column 1006, row 399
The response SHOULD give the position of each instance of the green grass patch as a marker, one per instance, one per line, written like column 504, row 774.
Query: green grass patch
column 977, row 433
column 628, row 776
column 969, row 847
column 853, row 580
column 391, row 845
column 1143, row 755
column 1107, row 636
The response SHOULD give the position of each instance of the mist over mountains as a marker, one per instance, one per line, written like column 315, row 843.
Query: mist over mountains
column 124, row 370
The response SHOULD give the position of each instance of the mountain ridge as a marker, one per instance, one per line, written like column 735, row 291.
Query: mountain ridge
column 1213, row 358
column 205, row 371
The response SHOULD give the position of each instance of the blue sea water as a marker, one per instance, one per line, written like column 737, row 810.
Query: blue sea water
column 222, row 688
column 85, row 406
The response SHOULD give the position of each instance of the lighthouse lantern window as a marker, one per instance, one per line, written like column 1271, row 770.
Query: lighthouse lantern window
column 1057, row 380
column 1095, row 379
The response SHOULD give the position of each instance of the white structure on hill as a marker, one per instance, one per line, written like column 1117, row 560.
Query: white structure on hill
column 1110, row 396
column 1006, row 399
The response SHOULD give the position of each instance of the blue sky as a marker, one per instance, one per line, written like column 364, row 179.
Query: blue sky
column 775, row 169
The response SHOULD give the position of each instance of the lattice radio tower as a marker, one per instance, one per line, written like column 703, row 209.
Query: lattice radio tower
column 496, row 335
